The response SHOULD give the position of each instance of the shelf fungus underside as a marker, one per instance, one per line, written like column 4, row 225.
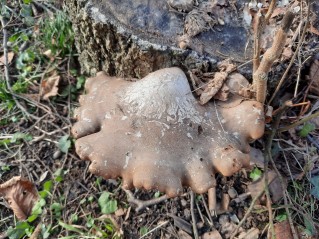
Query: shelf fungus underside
column 154, row 134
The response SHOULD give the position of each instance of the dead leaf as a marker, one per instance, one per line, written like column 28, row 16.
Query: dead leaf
column 212, row 235
column 120, row 212
column 227, row 66
column 49, row 87
column 275, row 187
column 314, row 77
column 223, row 93
column 198, row 21
column 10, row 58
column 252, row 233
column 183, row 235
column 314, row 30
column 282, row 230
column 213, row 87
column 286, row 53
column 21, row 195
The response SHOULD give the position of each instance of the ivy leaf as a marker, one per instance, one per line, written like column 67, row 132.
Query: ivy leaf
column 64, row 144
column 107, row 206
column 19, row 231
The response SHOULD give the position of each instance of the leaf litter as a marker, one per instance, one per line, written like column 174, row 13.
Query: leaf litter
column 21, row 195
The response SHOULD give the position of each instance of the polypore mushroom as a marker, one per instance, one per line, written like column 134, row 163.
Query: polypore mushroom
column 155, row 135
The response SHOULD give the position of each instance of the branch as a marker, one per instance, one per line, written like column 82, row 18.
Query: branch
column 260, row 77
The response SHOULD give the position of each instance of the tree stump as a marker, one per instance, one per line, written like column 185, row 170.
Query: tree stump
column 131, row 38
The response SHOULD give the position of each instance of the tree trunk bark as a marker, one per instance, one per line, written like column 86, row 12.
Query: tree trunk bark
column 131, row 38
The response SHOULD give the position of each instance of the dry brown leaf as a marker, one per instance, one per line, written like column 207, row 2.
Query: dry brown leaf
column 212, row 235
column 227, row 66
column 198, row 21
column 183, row 235
column 314, row 77
column 223, row 93
column 287, row 53
column 213, row 87
column 275, row 187
column 120, row 212
column 314, row 30
column 252, row 233
column 49, row 87
column 10, row 58
column 21, row 196
column 282, row 230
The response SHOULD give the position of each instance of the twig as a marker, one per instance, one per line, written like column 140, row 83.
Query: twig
column 36, row 232
column 212, row 205
column 270, row 159
column 143, row 204
column 247, row 213
column 257, row 34
column 155, row 228
column 193, row 216
column 260, row 76
column 262, row 21
column 270, row 11
column 208, row 212
column 304, row 120
column 293, row 57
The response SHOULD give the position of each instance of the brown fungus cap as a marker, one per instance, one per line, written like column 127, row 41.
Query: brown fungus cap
column 155, row 135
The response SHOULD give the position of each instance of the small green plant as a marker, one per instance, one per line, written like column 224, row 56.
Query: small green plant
column 255, row 174
column 64, row 143
column 107, row 205
column 57, row 34
column 143, row 231
column 306, row 129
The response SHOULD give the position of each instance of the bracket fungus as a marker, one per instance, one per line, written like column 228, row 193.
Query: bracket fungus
column 156, row 135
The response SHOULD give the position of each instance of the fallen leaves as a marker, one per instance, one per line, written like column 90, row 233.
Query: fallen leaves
column 49, row 87
column 212, row 85
column 10, row 58
column 282, row 230
column 21, row 196
column 274, row 185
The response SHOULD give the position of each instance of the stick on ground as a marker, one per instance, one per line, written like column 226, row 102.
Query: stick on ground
column 260, row 76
